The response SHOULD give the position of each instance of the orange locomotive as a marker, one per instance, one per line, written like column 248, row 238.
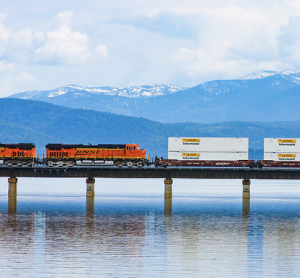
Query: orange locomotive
column 101, row 154
column 17, row 154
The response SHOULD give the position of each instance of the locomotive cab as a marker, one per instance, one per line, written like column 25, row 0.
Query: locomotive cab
column 134, row 154
column 131, row 147
column 133, row 151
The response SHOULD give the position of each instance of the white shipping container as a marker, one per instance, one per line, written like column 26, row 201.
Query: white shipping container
column 282, row 145
column 282, row 156
column 216, row 156
column 208, row 144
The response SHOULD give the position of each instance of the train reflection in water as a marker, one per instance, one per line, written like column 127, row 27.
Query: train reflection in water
column 139, row 236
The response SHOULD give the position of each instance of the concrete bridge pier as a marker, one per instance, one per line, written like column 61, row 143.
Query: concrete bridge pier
column 12, row 187
column 168, row 188
column 90, row 187
column 246, row 189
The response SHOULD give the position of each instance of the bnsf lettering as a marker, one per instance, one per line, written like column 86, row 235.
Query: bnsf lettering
column 86, row 152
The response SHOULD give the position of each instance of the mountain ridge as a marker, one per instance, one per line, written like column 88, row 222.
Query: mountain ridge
column 143, row 91
column 266, row 96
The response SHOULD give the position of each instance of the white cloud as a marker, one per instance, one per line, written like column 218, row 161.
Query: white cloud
column 6, row 66
column 26, row 78
column 219, row 39
column 12, row 84
column 293, row 8
column 22, row 39
column 39, row 38
column 4, row 37
column 66, row 47
column 289, row 42
column 233, row 40
column 63, row 19
column 202, row 64
column 61, row 46
column 152, row 41
column 3, row 17
column 185, row 56
column 101, row 50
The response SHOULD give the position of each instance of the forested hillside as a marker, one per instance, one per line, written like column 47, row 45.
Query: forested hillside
column 42, row 123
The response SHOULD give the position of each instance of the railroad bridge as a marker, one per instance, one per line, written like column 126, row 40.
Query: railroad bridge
column 168, row 174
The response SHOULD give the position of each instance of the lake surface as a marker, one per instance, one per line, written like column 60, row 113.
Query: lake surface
column 129, row 230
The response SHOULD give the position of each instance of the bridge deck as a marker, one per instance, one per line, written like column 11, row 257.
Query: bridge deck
column 150, row 172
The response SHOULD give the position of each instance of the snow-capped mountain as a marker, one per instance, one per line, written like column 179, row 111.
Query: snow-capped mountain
column 292, row 75
column 144, row 91
column 262, row 96
column 278, row 79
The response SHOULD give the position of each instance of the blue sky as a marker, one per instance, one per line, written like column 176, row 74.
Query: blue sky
column 46, row 44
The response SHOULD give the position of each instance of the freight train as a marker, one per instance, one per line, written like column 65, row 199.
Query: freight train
column 182, row 152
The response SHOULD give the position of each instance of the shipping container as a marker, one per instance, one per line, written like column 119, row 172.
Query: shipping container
column 282, row 145
column 208, row 144
column 218, row 156
column 282, row 156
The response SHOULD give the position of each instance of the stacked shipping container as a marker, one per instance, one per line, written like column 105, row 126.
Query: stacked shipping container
column 282, row 149
column 208, row 148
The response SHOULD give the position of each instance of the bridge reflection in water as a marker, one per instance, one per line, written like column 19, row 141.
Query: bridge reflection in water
column 200, row 237
column 168, row 207
column 12, row 205
column 90, row 206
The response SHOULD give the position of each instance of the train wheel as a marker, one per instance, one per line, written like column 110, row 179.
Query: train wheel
column 139, row 164
column 251, row 166
column 129, row 164
column 70, row 164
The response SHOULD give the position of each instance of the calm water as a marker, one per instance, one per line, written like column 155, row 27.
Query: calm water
column 202, row 232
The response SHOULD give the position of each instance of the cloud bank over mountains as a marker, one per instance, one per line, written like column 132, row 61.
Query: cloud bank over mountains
column 60, row 46
column 126, row 43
